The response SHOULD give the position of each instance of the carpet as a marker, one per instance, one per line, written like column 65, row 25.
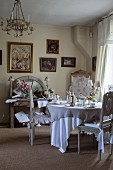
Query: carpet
column 17, row 154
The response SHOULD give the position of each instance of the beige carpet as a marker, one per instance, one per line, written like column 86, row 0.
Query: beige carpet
column 17, row 154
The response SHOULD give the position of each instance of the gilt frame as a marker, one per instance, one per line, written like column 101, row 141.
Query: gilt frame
column 20, row 57
column 52, row 46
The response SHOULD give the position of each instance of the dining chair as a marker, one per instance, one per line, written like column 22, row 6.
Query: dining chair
column 32, row 119
column 99, row 129
column 35, row 120
column 81, row 84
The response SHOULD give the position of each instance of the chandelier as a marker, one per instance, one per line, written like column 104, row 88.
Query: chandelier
column 17, row 22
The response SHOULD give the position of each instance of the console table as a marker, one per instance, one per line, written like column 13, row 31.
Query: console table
column 23, row 104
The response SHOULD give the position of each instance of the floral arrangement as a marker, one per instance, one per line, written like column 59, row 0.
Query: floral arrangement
column 89, row 98
column 24, row 87
column 93, row 98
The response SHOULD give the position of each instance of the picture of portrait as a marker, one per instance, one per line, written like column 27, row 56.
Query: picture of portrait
column 48, row 64
column 52, row 46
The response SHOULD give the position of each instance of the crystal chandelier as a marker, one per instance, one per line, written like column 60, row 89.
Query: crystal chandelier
column 17, row 22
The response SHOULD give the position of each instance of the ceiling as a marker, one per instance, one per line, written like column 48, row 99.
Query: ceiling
column 60, row 12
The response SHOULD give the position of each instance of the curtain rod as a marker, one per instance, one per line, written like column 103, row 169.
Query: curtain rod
column 106, row 16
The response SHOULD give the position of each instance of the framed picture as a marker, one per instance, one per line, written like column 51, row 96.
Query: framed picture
column 0, row 57
column 52, row 46
column 20, row 57
column 94, row 63
column 68, row 61
column 48, row 64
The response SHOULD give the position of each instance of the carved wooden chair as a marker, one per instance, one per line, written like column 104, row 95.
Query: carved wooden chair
column 80, row 83
column 102, row 126
column 33, row 116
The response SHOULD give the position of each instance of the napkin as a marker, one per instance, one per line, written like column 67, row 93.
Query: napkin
column 42, row 103
column 22, row 117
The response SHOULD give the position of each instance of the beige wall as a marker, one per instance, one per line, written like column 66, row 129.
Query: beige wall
column 60, row 79
column 94, row 46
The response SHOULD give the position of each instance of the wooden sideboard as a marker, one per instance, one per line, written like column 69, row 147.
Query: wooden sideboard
column 21, row 105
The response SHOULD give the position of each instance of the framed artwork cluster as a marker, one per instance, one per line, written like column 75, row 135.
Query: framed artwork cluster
column 50, row 64
column 20, row 57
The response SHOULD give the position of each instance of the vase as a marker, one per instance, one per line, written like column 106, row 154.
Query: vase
column 26, row 96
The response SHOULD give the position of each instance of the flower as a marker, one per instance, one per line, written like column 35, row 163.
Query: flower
column 89, row 97
column 24, row 87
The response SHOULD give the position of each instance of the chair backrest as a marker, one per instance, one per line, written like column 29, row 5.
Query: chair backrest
column 107, row 108
column 36, row 84
column 80, row 73
column 81, row 83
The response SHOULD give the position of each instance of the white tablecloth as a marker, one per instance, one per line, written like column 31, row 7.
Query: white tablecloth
column 65, row 119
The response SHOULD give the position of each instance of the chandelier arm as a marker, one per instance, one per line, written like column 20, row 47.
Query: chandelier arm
column 17, row 13
column 22, row 12
column 11, row 17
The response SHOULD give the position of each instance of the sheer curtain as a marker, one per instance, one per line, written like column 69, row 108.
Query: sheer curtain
column 104, row 67
column 109, row 67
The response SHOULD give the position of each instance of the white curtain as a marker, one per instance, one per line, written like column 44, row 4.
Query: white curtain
column 105, row 38
column 108, row 79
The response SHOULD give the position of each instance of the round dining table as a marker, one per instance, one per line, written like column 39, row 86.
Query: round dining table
column 66, row 118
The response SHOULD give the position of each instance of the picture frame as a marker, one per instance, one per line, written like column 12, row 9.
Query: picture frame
column 48, row 64
column 0, row 57
column 52, row 46
column 68, row 61
column 94, row 63
column 20, row 57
